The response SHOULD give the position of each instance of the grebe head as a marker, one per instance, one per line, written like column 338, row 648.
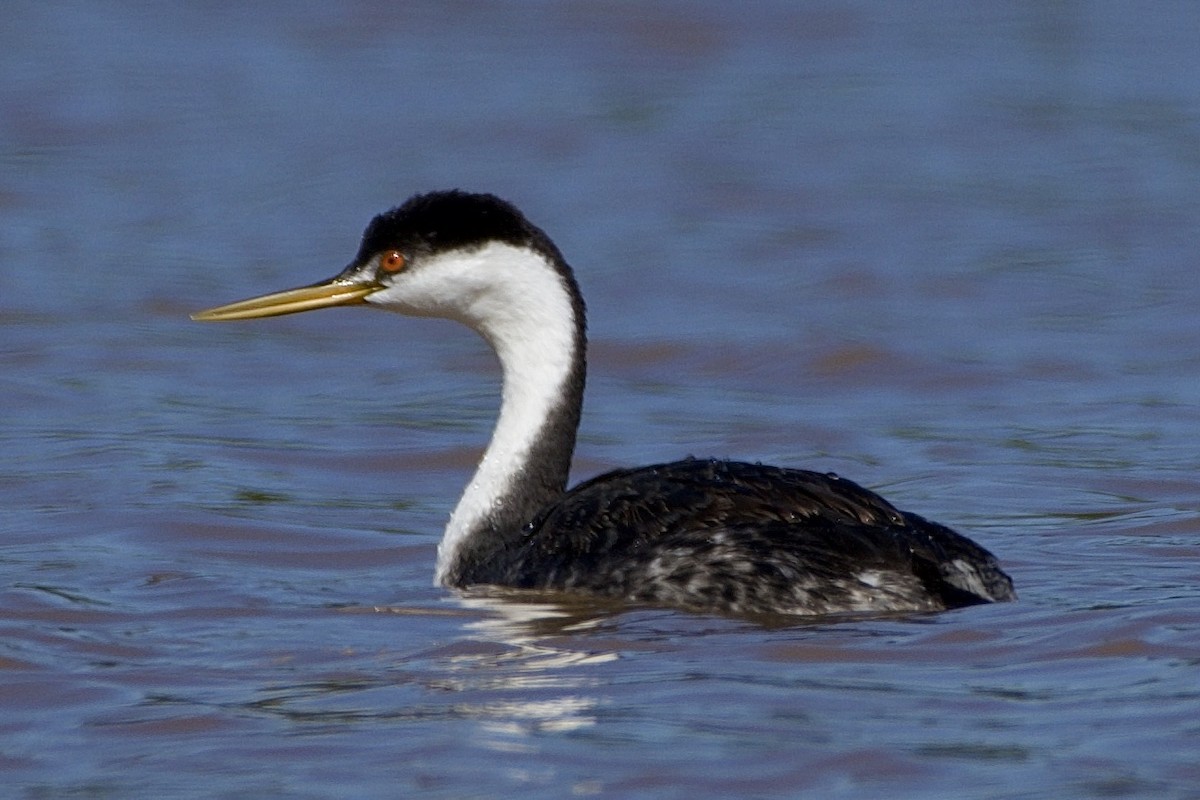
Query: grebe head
column 470, row 257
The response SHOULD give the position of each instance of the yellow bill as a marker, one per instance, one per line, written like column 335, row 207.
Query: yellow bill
column 291, row 301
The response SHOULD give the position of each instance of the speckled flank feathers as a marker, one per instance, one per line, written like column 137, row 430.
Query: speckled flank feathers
column 742, row 538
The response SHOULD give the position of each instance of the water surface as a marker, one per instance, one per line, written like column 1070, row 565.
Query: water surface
column 947, row 251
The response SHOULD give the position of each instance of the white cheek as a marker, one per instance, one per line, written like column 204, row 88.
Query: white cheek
column 435, row 290
column 495, row 289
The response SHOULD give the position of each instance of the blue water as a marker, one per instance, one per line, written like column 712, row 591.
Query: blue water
column 948, row 250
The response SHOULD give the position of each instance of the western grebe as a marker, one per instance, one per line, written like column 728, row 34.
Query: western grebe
column 705, row 535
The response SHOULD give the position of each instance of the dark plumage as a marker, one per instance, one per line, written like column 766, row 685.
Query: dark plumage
column 741, row 538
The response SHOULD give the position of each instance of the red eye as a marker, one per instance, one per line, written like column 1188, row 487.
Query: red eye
column 392, row 261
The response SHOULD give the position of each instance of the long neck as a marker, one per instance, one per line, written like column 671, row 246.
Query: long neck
column 536, row 325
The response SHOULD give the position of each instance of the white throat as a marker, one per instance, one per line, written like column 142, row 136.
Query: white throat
column 516, row 300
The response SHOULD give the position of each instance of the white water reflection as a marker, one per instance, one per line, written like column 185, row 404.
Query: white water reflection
column 531, row 673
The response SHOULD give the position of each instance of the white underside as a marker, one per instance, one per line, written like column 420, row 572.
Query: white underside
column 517, row 302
